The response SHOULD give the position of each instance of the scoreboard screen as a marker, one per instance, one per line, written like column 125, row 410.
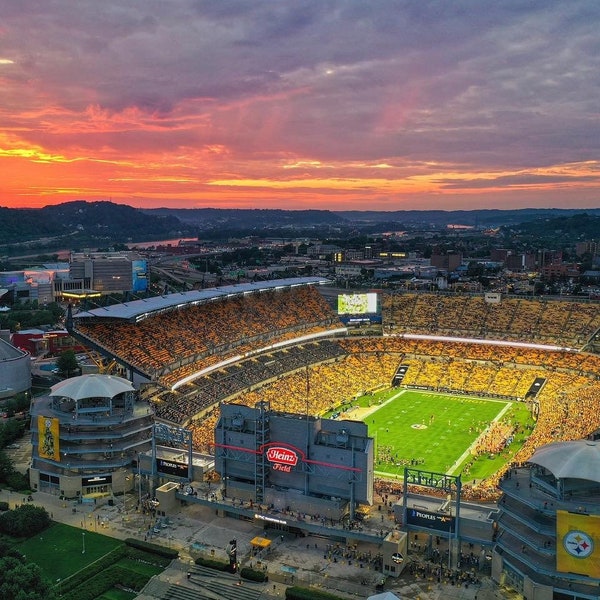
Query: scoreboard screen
column 357, row 304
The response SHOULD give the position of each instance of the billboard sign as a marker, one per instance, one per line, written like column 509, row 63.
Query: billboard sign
column 430, row 520
column 96, row 480
column 171, row 467
column 48, row 433
column 578, row 543
column 282, row 459
column 139, row 272
column 357, row 304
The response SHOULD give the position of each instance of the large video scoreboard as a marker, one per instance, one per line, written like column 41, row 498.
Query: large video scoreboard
column 358, row 309
column 357, row 304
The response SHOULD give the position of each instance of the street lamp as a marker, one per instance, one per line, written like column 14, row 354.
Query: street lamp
column 83, row 542
column 125, row 480
column 139, row 466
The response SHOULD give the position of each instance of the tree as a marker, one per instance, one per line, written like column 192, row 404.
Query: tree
column 475, row 269
column 6, row 466
column 24, row 521
column 10, row 430
column 67, row 363
column 23, row 581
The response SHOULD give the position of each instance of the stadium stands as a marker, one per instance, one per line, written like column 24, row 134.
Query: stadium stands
column 319, row 376
column 565, row 322
column 177, row 343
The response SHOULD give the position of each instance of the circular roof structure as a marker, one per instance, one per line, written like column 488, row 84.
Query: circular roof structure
column 91, row 386
column 579, row 459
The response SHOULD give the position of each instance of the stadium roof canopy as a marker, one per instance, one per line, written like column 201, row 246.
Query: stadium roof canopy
column 579, row 459
column 137, row 310
column 91, row 386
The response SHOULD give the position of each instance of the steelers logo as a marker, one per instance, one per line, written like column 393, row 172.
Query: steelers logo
column 578, row 544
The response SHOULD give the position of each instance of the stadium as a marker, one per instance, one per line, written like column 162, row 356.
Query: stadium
column 300, row 348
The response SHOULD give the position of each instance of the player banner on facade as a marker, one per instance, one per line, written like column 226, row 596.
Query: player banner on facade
column 578, row 543
column 48, row 429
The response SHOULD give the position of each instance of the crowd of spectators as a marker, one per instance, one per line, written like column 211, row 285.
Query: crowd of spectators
column 564, row 322
column 315, row 377
column 322, row 376
column 311, row 390
column 191, row 401
column 494, row 439
column 195, row 336
column 564, row 407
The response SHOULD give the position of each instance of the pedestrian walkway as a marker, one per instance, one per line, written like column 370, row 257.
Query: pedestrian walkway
column 289, row 560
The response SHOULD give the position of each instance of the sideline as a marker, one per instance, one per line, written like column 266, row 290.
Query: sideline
column 365, row 412
column 464, row 455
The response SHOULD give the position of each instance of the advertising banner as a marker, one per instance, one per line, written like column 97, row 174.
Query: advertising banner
column 172, row 467
column 578, row 543
column 48, row 433
column 430, row 520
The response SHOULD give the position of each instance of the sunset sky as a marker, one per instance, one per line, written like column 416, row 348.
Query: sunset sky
column 336, row 104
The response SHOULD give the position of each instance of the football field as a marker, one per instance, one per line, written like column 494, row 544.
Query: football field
column 430, row 431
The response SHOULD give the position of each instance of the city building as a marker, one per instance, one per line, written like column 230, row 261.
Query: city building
column 588, row 247
column 548, row 543
column 33, row 285
column 15, row 370
column 88, row 274
column 314, row 465
column 448, row 262
column 42, row 342
column 86, row 436
column 109, row 272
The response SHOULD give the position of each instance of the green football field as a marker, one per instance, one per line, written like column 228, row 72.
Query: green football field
column 433, row 432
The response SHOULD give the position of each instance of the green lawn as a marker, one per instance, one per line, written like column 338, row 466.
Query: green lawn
column 58, row 550
column 433, row 430
column 140, row 567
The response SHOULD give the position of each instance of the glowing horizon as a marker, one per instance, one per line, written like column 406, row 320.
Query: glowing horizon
column 298, row 107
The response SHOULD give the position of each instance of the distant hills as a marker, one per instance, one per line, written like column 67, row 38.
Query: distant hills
column 476, row 218
column 206, row 218
column 96, row 224
column 100, row 221
column 254, row 218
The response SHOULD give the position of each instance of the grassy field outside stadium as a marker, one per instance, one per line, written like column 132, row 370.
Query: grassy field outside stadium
column 59, row 550
column 62, row 551
column 435, row 431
